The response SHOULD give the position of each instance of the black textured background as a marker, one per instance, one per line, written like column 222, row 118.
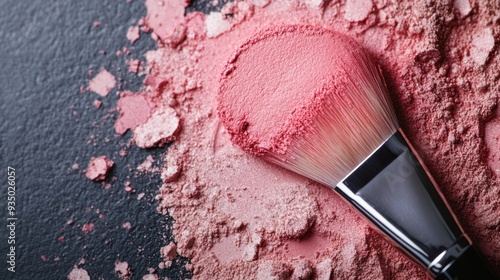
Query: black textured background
column 46, row 51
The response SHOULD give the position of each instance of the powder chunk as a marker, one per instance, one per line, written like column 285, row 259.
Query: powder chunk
column 215, row 24
column 99, row 168
column 163, row 16
column 102, row 83
column 122, row 269
column 160, row 129
column 78, row 274
column 270, row 270
column 463, row 7
column 134, row 110
column 88, row 228
column 482, row 45
column 169, row 252
column 133, row 34
column 357, row 10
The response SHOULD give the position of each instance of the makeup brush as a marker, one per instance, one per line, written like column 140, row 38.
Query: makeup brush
column 312, row 101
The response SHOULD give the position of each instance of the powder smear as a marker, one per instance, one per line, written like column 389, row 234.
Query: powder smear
column 236, row 216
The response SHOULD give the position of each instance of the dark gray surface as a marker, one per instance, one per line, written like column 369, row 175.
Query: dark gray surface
column 46, row 51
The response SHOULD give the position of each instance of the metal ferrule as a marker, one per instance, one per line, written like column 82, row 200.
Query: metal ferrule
column 394, row 190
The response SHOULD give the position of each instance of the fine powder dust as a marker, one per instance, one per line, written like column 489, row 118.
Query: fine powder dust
column 237, row 217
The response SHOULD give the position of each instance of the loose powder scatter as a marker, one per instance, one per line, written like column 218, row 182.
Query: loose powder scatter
column 235, row 216
column 98, row 168
column 102, row 83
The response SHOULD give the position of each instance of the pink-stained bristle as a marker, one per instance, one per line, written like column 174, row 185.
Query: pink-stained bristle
column 343, row 114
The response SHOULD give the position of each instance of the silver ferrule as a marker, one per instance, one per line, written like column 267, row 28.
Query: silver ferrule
column 395, row 192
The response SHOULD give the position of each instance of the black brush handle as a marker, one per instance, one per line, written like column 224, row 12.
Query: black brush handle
column 469, row 266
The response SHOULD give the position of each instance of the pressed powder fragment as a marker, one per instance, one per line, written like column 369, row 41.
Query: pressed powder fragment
column 98, row 168
column 102, row 83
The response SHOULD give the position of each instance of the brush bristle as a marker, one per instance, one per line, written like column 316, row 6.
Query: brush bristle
column 348, row 123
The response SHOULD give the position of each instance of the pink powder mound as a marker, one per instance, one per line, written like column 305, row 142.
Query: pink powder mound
column 88, row 228
column 102, row 83
column 258, row 102
column 135, row 109
column 133, row 34
column 98, row 168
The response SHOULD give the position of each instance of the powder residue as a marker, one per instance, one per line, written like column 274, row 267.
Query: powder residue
column 102, row 83
column 98, row 168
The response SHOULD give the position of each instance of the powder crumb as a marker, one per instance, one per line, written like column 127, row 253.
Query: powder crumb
column 162, row 12
column 127, row 225
column 482, row 45
column 122, row 270
column 140, row 196
column 78, row 274
column 146, row 165
column 169, row 252
column 134, row 65
column 150, row 276
column 102, row 83
column 133, row 34
column 172, row 169
column 99, row 168
column 215, row 24
column 324, row 270
column 97, row 103
column 135, row 109
column 96, row 24
column 88, row 228
column 75, row 166
column 463, row 7
column 160, row 128
column 314, row 3
column 357, row 10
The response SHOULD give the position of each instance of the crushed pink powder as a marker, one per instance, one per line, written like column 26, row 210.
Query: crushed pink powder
column 102, row 83
column 236, row 216
column 98, row 168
